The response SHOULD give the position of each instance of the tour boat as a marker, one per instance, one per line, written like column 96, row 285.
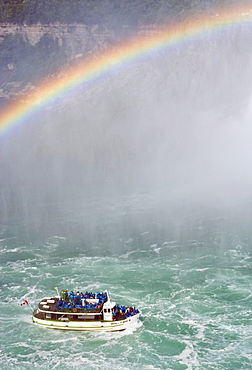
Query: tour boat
column 86, row 312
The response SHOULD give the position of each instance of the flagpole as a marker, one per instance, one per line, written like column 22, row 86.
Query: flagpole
column 26, row 302
column 56, row 288
column 30, row 306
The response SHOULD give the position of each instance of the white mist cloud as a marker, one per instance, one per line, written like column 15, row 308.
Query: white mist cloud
column 178, row 123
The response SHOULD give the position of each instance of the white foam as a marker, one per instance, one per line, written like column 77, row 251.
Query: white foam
column 189, row 357
column 199, row 327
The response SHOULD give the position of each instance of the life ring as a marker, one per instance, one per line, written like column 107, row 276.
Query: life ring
column 74, row 309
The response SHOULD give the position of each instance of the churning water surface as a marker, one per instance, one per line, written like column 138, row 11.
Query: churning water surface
column 188, row 271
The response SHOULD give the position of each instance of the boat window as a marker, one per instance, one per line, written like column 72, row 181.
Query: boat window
column 105, row 310
column 108, row 309
column 48, row 316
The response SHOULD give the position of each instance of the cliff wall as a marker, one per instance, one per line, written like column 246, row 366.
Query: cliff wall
column 74, row 38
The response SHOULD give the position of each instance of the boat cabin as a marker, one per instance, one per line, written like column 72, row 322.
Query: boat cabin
column 108, row 310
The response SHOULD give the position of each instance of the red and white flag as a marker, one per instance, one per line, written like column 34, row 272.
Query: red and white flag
column 25, row 302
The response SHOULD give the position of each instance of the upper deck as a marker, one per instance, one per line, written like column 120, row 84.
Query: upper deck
column 81, row 306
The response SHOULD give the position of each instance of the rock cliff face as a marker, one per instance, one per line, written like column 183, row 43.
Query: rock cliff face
column 74, row 38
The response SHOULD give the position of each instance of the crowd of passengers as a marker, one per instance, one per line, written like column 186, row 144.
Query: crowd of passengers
column 125, row 311
column 80, row 300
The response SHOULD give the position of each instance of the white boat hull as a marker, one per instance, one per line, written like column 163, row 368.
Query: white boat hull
column 117, row 325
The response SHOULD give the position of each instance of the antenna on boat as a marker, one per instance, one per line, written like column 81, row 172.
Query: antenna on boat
column 108, row 299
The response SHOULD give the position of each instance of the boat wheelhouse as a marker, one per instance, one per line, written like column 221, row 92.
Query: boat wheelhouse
column 86, row 312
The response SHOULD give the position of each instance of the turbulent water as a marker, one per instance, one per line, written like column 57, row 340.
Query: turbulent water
column 187, row 269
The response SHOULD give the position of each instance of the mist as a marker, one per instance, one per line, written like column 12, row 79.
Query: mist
column 172, row 128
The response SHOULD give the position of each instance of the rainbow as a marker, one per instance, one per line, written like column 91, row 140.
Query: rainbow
column 107, row 61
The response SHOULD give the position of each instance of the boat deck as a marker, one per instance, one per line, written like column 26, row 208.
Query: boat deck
column 50, row 306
